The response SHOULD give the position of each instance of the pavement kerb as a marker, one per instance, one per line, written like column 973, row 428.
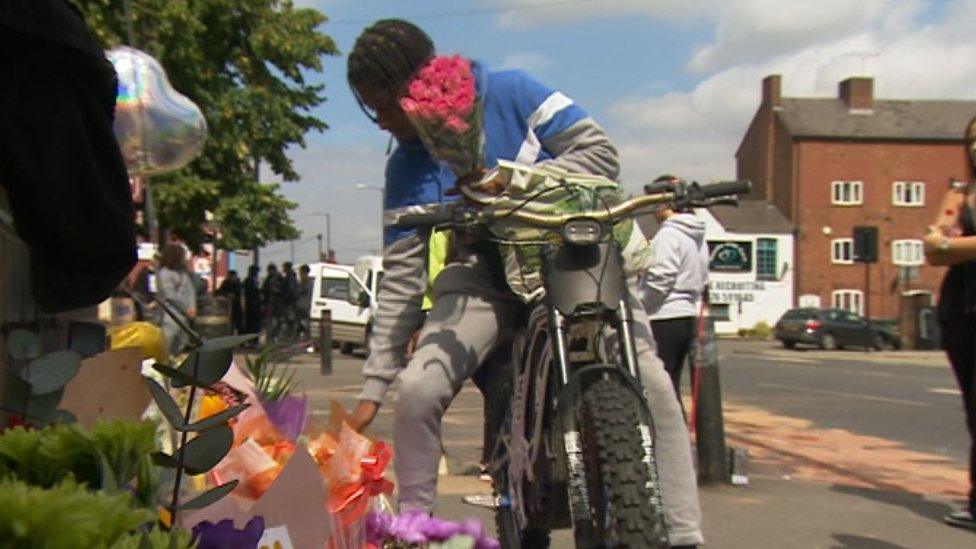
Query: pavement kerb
column 935, row 358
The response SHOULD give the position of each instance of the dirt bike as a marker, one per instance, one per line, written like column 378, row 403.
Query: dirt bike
column 577, row 447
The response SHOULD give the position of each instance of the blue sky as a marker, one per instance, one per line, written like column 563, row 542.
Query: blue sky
column 674, row 82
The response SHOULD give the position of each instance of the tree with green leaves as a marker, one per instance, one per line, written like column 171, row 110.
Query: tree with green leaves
column 244, row 62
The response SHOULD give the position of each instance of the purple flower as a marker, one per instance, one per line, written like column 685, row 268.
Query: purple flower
column 223, row 535
column 289, row 415
column 417, row 526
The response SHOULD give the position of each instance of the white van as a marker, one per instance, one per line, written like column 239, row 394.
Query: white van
column 349, row 293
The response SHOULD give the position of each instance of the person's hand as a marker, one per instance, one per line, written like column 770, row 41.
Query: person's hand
column 933, row 239
column 191, row 313
column 363, row 415
column 476, row 182
column 412, row 343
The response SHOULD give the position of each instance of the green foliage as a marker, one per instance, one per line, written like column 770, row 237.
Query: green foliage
column 210, row 495
column 155, row 539
column 126, row 447
column 760, row 331
column 23, row 344
column 110, row 456
column 206, row 365
column 65, row 516
column 244, row 63
column 272, row 380
column 33, row 383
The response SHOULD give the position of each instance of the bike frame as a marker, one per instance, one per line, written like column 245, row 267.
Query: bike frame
column 583, row 284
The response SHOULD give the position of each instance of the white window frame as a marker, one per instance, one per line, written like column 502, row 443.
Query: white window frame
column 907, row 252
column 838, row 245
column 848, row 300
column 854, row 191
column 915, row 193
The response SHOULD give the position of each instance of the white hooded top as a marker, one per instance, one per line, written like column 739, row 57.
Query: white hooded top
column 673, row 286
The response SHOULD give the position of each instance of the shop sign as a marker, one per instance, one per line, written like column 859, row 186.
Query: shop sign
column 730, row 256
column 728, row 291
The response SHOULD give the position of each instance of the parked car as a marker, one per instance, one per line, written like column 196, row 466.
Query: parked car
column 833, row 329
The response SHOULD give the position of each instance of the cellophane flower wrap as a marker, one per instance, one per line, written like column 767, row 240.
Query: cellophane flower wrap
column 443, row 104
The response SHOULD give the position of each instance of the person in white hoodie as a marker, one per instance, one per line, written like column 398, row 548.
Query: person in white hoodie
column 673, row 287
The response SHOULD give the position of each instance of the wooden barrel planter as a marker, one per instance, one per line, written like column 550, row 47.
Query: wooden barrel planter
column 213, row 317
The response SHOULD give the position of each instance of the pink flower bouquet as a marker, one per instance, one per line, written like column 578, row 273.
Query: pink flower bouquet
column 443, row 105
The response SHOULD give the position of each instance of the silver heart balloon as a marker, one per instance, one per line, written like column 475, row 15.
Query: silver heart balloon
column 158, row 129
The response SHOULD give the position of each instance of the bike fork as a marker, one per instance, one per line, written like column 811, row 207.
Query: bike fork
column 579, row 497
column 645, row 429
column 627, row 346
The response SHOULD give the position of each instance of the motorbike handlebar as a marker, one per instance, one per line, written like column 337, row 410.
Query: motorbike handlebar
column 428, row 219
column 677, row 194
column 726, row 188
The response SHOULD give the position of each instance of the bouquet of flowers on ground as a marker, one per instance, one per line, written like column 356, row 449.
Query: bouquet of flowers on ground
column 415, row 528
column 443, row 105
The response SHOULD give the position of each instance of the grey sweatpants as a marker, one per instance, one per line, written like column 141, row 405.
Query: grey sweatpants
column 469, row 318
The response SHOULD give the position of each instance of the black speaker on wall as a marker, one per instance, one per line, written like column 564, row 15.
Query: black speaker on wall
column 866, row 244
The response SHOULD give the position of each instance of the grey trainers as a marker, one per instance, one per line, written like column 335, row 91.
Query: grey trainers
column 961, row 519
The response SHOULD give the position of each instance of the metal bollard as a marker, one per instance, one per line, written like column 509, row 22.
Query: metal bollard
column 710, row 426
column 325, row 342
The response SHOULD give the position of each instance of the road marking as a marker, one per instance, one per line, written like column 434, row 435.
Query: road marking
column 844, row 394
column 794, row 359
column 944, row 391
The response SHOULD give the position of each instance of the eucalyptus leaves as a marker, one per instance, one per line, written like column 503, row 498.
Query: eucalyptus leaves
column 203, row 367
column 33, row 383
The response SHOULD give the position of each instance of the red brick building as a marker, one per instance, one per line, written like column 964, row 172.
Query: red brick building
column 830, row 164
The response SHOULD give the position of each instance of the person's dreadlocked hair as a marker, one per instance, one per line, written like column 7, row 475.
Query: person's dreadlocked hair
column 387, row 56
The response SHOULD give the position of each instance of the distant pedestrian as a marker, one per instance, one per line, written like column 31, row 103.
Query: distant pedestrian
column 175, row 288
column 289, row 291
column 672, row 288
column 951, row 240
column 278, row 304
column 271, row 292
column 303, row 305
column 231, row 289
column 252, row 301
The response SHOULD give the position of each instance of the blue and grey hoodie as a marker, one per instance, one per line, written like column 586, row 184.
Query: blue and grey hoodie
column 524, row 121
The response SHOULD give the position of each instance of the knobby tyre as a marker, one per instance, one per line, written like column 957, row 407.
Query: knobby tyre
column 622, row 481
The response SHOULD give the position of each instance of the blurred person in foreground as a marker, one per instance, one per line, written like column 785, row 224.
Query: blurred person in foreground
column 61, row 170
column 951, row 241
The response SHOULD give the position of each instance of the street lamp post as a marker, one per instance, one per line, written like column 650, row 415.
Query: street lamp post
column 328, row 232
column 382, row 190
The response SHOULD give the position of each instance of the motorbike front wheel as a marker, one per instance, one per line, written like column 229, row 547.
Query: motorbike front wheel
column 621, row 475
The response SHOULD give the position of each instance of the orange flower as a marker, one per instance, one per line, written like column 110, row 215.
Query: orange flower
column 210, row 405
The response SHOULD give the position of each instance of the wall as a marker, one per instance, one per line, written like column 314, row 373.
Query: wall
column 750, row 300
column 878, row 165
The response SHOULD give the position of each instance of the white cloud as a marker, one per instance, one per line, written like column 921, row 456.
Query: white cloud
column 528, row 61
column 696, row 133
column 527, row 14
column 752, row 30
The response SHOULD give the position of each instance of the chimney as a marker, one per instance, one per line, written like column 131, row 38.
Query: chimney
column 858, row 92
column 772, row 91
